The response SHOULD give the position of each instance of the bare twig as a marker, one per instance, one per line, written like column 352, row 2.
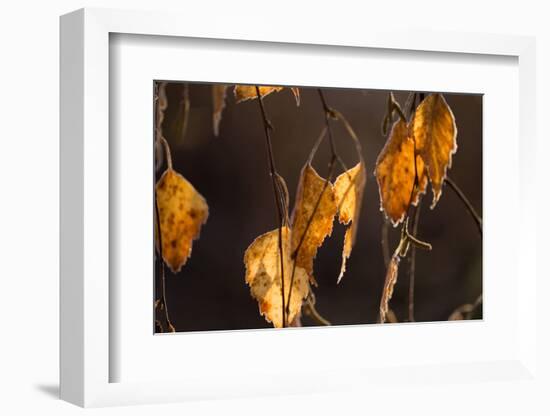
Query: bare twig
column 159, row 116
column 466, row 312
column 412, row 265
column 311, row 311
column 277, row 193
column 329, row 113
column 163, row 302
column 467, row 204
column 475, row 305
column 184, row 107
column 385, row 242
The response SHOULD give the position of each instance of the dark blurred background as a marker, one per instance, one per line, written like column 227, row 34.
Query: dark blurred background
column 231, row 172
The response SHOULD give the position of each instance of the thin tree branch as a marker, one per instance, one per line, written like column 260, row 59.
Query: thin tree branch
column 311, row 311
column 159, row 116
column 412, row 264
column 163, row 301
column 184, row 107
column 385, row 243
column 475, row 305
column 329, row 113
column 277, row 194
column 475, row 216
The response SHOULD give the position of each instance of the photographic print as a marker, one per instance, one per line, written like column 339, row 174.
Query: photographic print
column 290, row 206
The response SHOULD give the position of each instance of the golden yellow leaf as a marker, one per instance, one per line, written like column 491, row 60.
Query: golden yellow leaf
column 182, row 212
column 263, row 274
column 348, row 189
column 395, row 173
column 314, row 195
column 391, row 278
column 434, row 130
column 218, row 102
column 247, row 92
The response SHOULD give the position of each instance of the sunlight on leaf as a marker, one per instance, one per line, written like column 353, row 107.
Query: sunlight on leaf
column 263, row 275
column 434, row 130
column 182, row 212
column 348, row 189
column 391, row 278
column 247, row 92
column 314, row 195
column 395, row 173
column 218, row 103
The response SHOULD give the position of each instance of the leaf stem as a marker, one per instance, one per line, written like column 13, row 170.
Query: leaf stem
column 276, row 193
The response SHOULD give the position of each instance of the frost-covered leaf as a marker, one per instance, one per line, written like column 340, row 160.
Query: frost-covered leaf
column 312, row 218
column 182, row 212
column 395, row 173
column 391, row 278
column 348, row 189
column 264, row 276
column 434, row 130
column 218, row 102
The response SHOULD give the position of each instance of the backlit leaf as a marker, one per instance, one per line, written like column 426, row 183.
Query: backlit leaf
column 395, row 173
column 248, row 92
column 263, row 274
column 348, row 189
column 391, row 278
column 315, row 195
column 434, row 130
column 182, row 212
column 218, row 103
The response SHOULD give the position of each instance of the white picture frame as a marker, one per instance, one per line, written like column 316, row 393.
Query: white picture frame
column 86, row 353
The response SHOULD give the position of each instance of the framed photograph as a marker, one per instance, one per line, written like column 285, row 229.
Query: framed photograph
column 291, row 208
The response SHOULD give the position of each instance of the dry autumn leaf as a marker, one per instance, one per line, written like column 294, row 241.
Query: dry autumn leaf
column 182, row 212
column 248, row 92
column 434, row 130
column 395, row 173
column 391, row 278
column 348, row 189
column 263, row 274
column 315, row 195
column 218, row 103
